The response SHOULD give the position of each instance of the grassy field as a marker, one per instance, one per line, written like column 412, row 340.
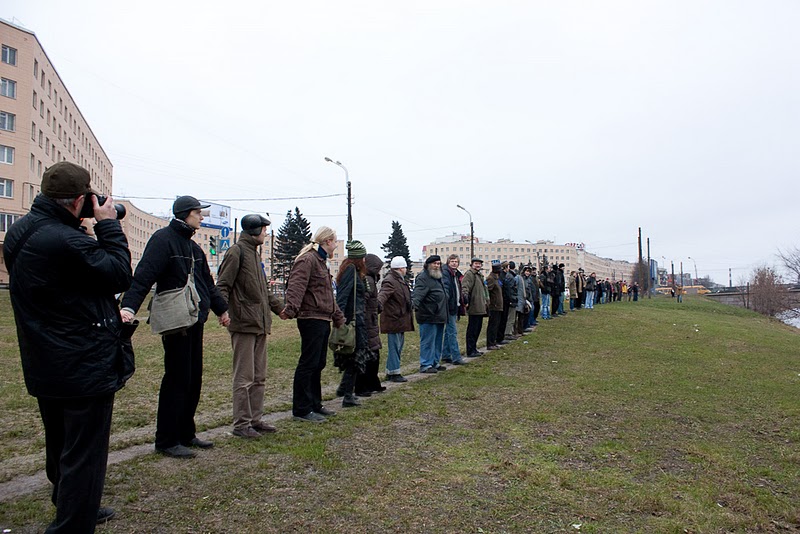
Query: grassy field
column 633, row 417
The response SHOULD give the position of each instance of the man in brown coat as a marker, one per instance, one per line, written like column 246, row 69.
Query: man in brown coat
column 494, row 336
column 476, row 296
column 244, row 287
column 394, row 299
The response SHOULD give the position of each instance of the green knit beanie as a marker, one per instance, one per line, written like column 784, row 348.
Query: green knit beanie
column 356, row 249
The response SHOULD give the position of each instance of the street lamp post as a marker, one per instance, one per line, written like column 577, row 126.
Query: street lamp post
column 349, row 198
column 471, row 233
column 696, row 278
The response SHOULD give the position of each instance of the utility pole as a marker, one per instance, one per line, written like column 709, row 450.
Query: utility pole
column 672, row 264
column 349, row 198
column 649, row 272
column 640, row 258
column 471, row 233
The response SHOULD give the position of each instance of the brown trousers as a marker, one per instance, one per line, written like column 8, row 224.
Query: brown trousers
column 249, row 378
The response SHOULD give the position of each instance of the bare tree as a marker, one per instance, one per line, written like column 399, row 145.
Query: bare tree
column 767, row 293
column 791, row 260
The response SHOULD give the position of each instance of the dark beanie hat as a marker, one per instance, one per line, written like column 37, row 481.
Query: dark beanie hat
column 432, row 259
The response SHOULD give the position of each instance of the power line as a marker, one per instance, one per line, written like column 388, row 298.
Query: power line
column 239, row 199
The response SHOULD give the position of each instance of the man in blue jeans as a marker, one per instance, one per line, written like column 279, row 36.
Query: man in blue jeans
column 394, row 300
column 451, row 278
column 430, row 303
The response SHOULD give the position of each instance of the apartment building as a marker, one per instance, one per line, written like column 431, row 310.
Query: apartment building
column 572, row 255
column 40, row 124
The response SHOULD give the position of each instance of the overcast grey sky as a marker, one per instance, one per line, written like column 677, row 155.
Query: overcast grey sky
column 570, row 121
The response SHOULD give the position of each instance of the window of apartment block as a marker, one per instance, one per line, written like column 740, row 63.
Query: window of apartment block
column 47, row 146
column 33, row 163
column 50, row 89
column 42, row 79
column 9, row 55
column 59, row 132
column 39, row 168
column 41, row 138
column 33, row 131
column 35, row 68
column 6, row 154
column 35, row 100
column 7, row 121
column 41, row 108
column 6, row 220
column 48, row 116
column 6, row 188
column 8, row 88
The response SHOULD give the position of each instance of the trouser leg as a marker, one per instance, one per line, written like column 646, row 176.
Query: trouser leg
column 307, row 390
column 76, row 443
column 395, row 350
column 180, row 387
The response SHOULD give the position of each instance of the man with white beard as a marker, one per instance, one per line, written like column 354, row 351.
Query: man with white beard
column 430, row 305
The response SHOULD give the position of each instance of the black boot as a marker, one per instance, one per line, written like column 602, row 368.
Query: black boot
column 350, row 400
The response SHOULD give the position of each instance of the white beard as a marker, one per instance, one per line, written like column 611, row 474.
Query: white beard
column 436, row 274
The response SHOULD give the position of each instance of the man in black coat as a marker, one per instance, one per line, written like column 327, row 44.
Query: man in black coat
column 168, row 258
column 62, row 285
column 430, row 304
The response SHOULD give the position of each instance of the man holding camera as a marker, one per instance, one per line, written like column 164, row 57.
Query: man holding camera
column 62, row 285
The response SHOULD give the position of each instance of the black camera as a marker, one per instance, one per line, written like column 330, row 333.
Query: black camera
column 88, row 207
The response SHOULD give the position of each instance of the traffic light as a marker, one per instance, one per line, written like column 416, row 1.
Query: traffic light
column 212, row 245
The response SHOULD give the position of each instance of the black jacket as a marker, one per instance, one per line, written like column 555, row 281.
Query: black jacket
column 63, row 284
column 344, row 299
column 166, row 262
column 558, row 287
column 430, row 299
column 452, row 281
column 510, row 288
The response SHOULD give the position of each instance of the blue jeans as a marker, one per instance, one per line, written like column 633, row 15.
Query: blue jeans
column 590, row 299
column 430, row 344
column 450, row 349
column 396, row 342
column 561, row 304
column 545, row 306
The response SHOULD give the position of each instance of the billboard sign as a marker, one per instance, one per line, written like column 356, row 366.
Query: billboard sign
column 219, row 216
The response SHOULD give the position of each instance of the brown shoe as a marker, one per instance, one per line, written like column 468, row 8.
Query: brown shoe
column 264, row 428
column 246, row 432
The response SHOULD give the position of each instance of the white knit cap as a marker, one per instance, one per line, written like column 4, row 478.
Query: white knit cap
column 398, row 262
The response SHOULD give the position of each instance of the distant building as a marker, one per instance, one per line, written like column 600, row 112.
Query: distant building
column 572, row 255
column 40, row 124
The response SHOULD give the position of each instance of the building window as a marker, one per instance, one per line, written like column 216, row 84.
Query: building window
column 9, row 55
column 6, row 154
column 6, row 188
column 33, row 131
column 6, row 219
column 42, row 79
column 41, row 138
column 50, row 89
column 7, row 121
column 47, row 146
column 8, row 88
column 41, row 108
column 35, row 100
column 35, row 68
column 33, row 163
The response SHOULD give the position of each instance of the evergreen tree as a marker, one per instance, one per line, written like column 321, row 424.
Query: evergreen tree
column 292, row 236
column 397, row 246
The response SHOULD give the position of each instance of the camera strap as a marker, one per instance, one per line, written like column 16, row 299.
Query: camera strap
column 24, row 239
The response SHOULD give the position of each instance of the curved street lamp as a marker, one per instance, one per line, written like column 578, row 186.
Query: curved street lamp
column 696, row 278
column 349, row 198
column 471, row 233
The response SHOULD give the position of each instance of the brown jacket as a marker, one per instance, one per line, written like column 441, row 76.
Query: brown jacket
column 394, row 298
column 309, row 290
column 495, row 291
column 243, row 285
